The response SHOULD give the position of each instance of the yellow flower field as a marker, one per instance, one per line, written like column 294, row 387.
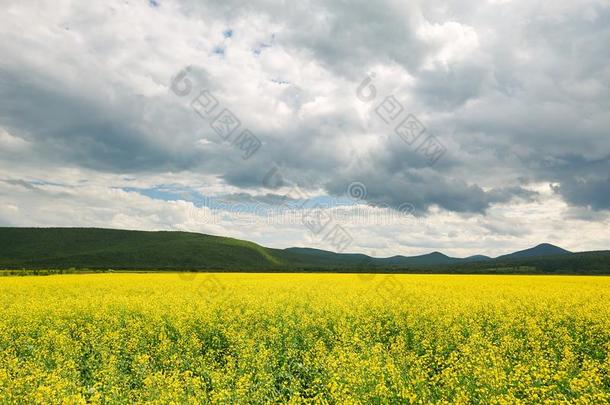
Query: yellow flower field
column 236, row 338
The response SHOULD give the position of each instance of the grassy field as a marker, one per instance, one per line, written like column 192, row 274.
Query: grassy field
column 238, row 338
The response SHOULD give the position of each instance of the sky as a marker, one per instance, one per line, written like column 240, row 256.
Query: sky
column 381, row 127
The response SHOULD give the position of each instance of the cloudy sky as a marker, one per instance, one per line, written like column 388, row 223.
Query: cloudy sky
column 460, row 126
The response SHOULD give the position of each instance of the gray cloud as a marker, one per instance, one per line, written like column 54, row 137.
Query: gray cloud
column 517, row 93
column 593, row 193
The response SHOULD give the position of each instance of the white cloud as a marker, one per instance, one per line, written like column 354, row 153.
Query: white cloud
column 514, row 90
column 451, row 41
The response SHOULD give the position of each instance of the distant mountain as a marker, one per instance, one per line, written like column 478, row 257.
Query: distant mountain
column 544, row 249
column 477, row 258
column 307, row 256
column 341, row 259
column 93, row 248
column 430, row 259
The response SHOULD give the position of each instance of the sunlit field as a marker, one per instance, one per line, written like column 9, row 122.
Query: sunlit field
column 304, row 338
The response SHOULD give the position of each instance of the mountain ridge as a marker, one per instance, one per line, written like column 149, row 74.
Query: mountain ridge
column 127, row 249
column 543, row 249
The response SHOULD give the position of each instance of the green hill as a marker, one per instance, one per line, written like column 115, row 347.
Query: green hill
column 92, row 248
column 109, row 248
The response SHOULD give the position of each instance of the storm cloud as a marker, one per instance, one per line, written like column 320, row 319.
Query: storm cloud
column 515, row 94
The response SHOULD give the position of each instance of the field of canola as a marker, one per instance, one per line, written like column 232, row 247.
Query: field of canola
column 254, row 338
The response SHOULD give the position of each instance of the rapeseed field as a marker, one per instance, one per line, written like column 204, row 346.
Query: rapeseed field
column 295, row 338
